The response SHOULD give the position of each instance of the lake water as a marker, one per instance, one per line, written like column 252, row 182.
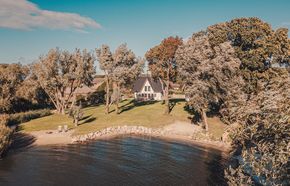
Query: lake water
column 119, row 161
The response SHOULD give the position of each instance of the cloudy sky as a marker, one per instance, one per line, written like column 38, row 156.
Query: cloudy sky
column 29, row 28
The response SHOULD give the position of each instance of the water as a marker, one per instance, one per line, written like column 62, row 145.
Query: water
column 119, row 161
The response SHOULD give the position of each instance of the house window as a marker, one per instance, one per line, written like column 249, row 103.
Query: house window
column 145, row 88
column 149, row 88
column 154, row 95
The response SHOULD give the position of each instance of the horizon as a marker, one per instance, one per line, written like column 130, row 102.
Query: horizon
column 40, row 25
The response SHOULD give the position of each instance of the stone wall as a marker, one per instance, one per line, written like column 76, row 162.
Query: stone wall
column 120, row 130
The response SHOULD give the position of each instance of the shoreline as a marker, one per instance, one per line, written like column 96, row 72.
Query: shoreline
column 216, row 145
column 179, row 131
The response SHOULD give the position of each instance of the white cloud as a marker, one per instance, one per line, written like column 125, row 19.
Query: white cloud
column 22, row 14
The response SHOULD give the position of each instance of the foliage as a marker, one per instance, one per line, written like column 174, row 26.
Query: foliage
column 257, row 45
column 76, row 113
column 127, row 69
column 30, row 95
column 5, row 134
column 210, row 74
column 259, row 102
column 22, row 117
column 262, row 140
column 60, row 73
column 162, row 63
column 106, row 63
column 11, row 76
column 121, row 68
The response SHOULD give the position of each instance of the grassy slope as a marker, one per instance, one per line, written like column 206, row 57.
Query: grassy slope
column 149, row 115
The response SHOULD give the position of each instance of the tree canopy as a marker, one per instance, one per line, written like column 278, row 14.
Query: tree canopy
column 210, row 74
column 11, row 77
column 60, row 73
column 162, row 63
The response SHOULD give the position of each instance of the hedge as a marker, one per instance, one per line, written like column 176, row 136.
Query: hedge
column 22, row 117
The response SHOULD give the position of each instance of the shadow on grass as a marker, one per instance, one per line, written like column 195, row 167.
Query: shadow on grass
column 88, row 120
column 86, row 117
column 133, row 104
column 194, row 117
column 174, row 102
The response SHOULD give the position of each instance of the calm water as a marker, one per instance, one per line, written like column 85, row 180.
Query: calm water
column 120, row 161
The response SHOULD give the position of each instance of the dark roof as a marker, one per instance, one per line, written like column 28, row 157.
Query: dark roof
column 139, row 83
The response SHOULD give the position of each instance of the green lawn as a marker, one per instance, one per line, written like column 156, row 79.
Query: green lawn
column 145, row 114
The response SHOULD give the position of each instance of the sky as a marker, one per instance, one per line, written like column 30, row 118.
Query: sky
column 29, row 29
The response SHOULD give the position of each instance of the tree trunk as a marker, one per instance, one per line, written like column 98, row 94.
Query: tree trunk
column 167, row 109
column 117, row 98
column 73, row 102
column 76, row 122
column 107, row 95
column 62, row 109
column 204, row 119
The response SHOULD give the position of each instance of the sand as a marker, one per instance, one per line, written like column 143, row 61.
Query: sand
column 178, row 131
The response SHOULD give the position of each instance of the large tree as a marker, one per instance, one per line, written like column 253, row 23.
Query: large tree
column 60, row 73
column 11, row 77
column 256, row 44
column 261, row 141
column 106, row 63
column 30, row 95
column 210, row 74
column 162, row 63
column 127, row 69
column 120, row 68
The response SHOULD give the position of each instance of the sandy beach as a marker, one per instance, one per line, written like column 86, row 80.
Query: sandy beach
column 179, row 131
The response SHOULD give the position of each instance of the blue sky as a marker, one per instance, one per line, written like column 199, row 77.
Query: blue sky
column 141, row 24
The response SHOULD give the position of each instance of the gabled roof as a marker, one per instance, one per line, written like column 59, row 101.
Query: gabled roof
column 97, row 82
column 139, row 83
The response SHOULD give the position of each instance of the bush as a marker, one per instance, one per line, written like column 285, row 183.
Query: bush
column 22, row 117
column 262, row 155
column 5, row 134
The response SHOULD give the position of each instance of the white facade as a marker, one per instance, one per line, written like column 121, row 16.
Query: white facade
column 147, row 93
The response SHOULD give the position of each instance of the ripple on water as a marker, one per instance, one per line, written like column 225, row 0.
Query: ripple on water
column 119, row 161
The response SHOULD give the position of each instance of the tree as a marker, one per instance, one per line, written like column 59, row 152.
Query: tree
column 60, row 73
column 261, row 143
column 76, row 113
column 106, row 63
column 210, row 74
column 11, row 77
column 5, row 134
column 256, row 44
column 162, row 63
column 127, row 69
column 30, row 95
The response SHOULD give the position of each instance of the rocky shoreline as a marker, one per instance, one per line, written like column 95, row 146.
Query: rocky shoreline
column 191, row 137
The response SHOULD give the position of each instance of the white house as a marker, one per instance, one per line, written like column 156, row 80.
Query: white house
column 146, row 88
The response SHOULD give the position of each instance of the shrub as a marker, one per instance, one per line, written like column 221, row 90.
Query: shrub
column 5, row 134
column 22, row 117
